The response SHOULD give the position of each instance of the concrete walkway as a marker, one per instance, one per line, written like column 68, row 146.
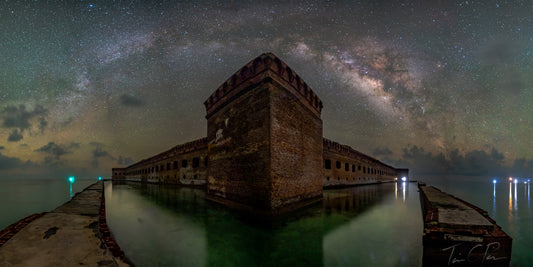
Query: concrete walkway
column 66, row 236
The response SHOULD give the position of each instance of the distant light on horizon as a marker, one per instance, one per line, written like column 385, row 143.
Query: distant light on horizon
column 71, row 179
column 515, row 181
column 404, row 179
column 100, row 178
column 494, row 181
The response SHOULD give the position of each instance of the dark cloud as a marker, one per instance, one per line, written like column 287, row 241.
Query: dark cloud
column 19, row 117
column 15, row 136
column 11, row 163
column 382, row 151
column 98, row 152
column 56, row 151
column 42, row 124
column 475, row 162
column 522, row 167
column 124, row 161
column 423, row 162
column 132, row 101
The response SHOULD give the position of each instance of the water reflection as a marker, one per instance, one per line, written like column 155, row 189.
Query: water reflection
column 494, row 196
column 515, row 197
column 165, row 225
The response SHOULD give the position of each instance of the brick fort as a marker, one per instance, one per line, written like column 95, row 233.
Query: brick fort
column 264, row 148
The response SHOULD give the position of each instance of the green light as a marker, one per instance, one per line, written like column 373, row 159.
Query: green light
column 71, row 179
column 100, row 178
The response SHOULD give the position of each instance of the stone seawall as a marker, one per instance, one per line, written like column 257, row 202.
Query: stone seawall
column 457, row 233
column 74, row 233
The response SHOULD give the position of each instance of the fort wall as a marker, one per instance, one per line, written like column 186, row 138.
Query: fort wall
column 264, row 147
column 183, row 164
column 344, row 166
column 239, row 149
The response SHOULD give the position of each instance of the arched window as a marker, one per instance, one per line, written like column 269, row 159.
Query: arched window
column 327, row 164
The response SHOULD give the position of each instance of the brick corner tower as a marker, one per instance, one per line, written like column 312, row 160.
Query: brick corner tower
column 265, row 138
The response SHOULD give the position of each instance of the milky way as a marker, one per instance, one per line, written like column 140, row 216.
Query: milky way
column 437, row 87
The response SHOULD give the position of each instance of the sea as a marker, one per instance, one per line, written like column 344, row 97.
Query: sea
column 371, row 225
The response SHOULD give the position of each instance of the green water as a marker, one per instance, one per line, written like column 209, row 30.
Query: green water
column 376, row 225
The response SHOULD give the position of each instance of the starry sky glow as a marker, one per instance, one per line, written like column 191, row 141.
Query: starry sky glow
column 441, row 87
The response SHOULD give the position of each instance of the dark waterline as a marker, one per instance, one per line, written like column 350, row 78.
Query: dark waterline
column 375, row 225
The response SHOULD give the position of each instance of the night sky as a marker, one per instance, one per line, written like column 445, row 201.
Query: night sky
column 444, row 87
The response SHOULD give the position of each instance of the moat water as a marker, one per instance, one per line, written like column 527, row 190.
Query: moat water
column 375, row 225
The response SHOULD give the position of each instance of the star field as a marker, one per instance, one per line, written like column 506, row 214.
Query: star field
column 438, row 87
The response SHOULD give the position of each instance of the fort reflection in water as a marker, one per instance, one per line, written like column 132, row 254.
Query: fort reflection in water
column 365, row 225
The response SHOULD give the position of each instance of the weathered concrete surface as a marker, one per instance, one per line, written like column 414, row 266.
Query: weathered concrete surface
column 457, row 233
column 452, row 211
column 66, row 236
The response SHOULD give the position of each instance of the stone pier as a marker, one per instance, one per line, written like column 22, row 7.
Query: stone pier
column 457, row 233
column 70, row 235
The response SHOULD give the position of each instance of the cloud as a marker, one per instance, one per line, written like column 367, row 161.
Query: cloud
column 419, row 161
column 132, row 101
column 2, row 147
column 56, row 151
column 11, row 163
column 382, row 151
column 42, row 124
column 15, row 136
column 522, row 167
column 124, row 161
column 475, row 162
column 19, row 117
column 98, row 152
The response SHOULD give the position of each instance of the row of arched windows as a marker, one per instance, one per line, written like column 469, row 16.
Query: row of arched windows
column 174, row 165
column 353, row 168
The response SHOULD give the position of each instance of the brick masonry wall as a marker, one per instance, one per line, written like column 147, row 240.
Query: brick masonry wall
column 184, row 167
column 358, row 171
column 239, row 149
column 296, row 145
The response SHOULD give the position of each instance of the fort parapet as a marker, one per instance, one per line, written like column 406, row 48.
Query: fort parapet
column 264, row 148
